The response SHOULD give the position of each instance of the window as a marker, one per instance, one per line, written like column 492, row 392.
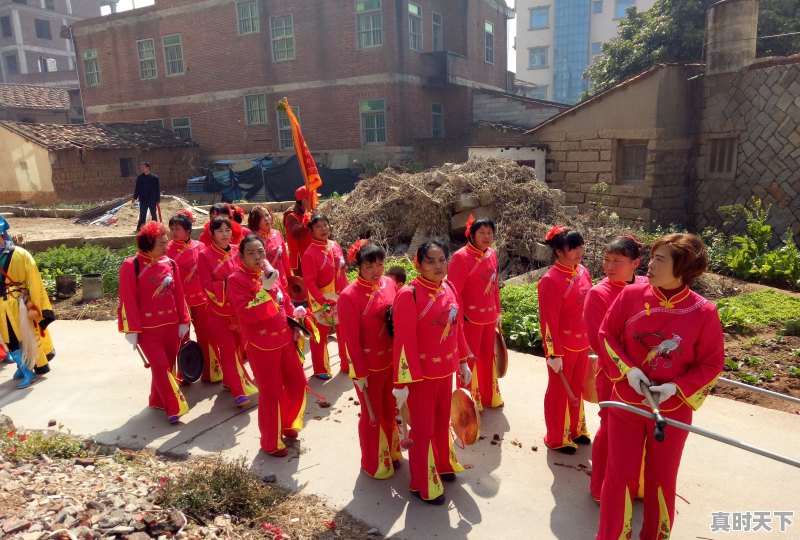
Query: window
column 158, row 122
column 247, row 17
column 282, row 38
column 721, row 159
column 285, row 140
column 42, row 29
column 373, row 121
column 597, row 6
column 50, row 4
column 488, row 29
column 5, row 26
column 414, row 27
column 127, row 167
column 47, row 65
column 173, row 54
column 437, row 120
column 597, row 48
column 255, row 107
column 182, row 127
column 91, row 68
column 438, row 32
column 620, row 6
column 537, row 57
column 539, row 92
column 540, row 17
column 12, row 64
column 20, row 1
column 146, row 49
column 369, row 23
column 632, row 160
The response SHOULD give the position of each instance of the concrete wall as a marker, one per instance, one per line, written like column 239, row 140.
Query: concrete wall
column 26, row 172
column 514, row 153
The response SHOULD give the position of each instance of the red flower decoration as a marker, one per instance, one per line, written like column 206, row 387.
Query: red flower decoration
column 470, row 221
column 306, row 219
column 629, row 237
column 354, row 249
column 555, row 231
column 239, row 210
column 331, row 525
column 152, row 230
column 188, row 214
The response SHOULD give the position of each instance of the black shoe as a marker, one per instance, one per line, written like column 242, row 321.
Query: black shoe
column 438, row 501
column 448, row 477
column 569, row 450
column 583, row 439
column 42, row 370
column 396, row 464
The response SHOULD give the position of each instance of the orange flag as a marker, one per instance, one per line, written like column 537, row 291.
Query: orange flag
column 307, row 165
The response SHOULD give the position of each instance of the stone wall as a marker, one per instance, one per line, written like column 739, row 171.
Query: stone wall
column 760, row 108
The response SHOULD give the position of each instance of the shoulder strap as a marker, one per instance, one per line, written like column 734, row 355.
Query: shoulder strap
column 136, row 267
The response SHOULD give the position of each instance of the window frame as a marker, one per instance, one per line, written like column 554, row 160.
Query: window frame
column 546, row 87
column 45, row 62
column 437, row 43
column 285, row 126
column 167, row 60
column 596, row 3
column 90, row 58
column 6, row 58
column 153, row 122
column 617, row 15
column 544, row 49
column 43, row 24
column 440, row 116
column 253, row 19
column 141, row 61
column 372, row 14
column 5, row 24
column 188, row 127
column 488, row 44
column 627, row 173
column 415, row 39
column 127, row 163
column 364, row 116
column 250, row 113
column 721, row 165
column 547, row 17
column 284, row 38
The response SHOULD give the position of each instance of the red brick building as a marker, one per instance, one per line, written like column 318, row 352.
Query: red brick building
column 367, row 76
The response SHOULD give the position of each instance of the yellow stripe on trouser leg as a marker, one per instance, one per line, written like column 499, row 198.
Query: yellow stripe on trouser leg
column 214, row 369
column 248, row 388
column 183, row 407
column 297, row 423
column 385, row 469
column 457, row 467
column 626, row 518
column 664, row 525
column 435, row 487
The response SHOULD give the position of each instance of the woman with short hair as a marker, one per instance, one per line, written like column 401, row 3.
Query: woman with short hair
column 259, row 221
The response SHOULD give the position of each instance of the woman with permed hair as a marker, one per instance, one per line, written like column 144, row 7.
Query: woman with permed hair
column 260, row 222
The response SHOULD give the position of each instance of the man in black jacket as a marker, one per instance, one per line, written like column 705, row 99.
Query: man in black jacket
column 148, row 193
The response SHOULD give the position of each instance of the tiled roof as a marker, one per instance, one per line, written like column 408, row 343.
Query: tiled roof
column 96, row 135
column 22, row 96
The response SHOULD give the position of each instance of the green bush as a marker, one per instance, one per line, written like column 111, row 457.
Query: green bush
column 404, row 262
column 83, row 260
column 760, row 308
column 521, row 329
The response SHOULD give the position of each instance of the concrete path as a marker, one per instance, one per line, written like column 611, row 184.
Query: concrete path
column 98, row 389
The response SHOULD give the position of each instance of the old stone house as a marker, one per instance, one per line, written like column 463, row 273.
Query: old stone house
column 43, row 104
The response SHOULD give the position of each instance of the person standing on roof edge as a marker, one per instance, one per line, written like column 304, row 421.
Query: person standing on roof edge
column 148, row 193
column 295, row 225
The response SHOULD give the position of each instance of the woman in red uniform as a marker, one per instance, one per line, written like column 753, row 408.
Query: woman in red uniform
column 260, row 222
column 237, row 216
column 620, row 259
column 561, row 293
column 325, row 278
column 474, row 274
column 298, row 237
column 362, row 327
column 220, row 260
column 186, row 254
column 221, row 210
column 669, row 338
column 153, row 315
column 261, row 306
column 429, row 346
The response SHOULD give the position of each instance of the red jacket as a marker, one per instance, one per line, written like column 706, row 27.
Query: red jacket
column 474, row 275
column 598, row 301
column 561, row 294
column 277, row 254
column 153, row 298
column 362, row 325
column 323, row 264
column 428, row 332
column 677, row 340
column 215, row 267
column 298, row 236
column 187, row 256
column 261, row 314
column 237, row 233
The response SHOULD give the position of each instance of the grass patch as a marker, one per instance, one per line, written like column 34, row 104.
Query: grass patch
column 761, row 308
column 20, row 446
column 521, row 329
column 87, row 259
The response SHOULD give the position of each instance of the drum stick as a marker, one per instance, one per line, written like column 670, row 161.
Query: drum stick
column 658, row 432
column 370, row 411
column 572, row 399
column 141, row 355
column 406, row 442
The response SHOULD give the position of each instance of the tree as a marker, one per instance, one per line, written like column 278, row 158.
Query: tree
column 674, row 31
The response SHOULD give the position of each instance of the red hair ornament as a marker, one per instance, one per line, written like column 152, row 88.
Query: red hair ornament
column 354, row 249
column 152, row 230
column 470, row 221
column 555, row 231
column 188, row 214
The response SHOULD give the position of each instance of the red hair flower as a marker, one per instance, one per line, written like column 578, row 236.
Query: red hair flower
column 470, row 221
column 188, row 214
column 629, row 237
column 152, row 230
column 555, row 231
column 354, row 249
column 306, row 219
column 239, row 210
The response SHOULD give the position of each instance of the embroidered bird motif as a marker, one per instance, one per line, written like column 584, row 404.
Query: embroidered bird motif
column 664, row 348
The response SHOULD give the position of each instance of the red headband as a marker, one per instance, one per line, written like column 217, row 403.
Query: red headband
column 152, row 230
column 470, row 221
column 354, row 249
column 555, row 231
column 188, row 214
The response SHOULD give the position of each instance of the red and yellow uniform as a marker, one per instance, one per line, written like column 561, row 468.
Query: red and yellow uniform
column 187, row 256
column 474, row 275
column 215, row 266
column 272, row 354
column 676, row 339
column 277, row 254
column 237, row 233
column 152, row 305
column 561, row 293
column 429, row 344
column 366, row 343
column 597, row 303
column 325, row 278
column 298, row 238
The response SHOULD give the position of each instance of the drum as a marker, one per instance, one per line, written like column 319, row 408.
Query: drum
column 464, row 417
column 589, row 385
column 500, row 354
column 190, row 362
column 297, row 289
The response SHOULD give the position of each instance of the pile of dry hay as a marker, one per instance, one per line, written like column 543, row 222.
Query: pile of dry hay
column 398, row 209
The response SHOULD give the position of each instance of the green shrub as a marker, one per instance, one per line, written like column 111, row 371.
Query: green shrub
column 794, row 371
column 16, row 446
column 731, row 317
column 521, row 329
column 404, row 262
column 761, row 308
column 731, row 365
column 83, row 260
column 790, row 328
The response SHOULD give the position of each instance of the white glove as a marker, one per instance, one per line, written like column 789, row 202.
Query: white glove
column 465, row 373
column 133, row 339
column 183, row 329
column 665, row 391
column 401, row 396
column 361, row 384
column 556, row 363
column 500, row 321
column 268, row 279
column 300, row 312
column 635, row 377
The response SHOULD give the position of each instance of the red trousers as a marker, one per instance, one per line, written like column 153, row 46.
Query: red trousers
column 226, row 341
column 565, row 422
column 319, row 351
column 160, row 347
column 600, row 441
column 429, row 406
column 344, row 365
column 380, row 443
column 211, row 371
column 628, row 435
column 480, row 339
column 282, row 393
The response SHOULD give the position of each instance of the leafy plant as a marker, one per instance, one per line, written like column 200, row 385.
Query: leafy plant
column 731, row 317
column 16, row 446
column 767, row 376
column 87, row 259
column 748, row 379
column 731, row 365
column 759, row 308
column 794, row 371
column 520, row 327
column 753, row 361
column 790, row 328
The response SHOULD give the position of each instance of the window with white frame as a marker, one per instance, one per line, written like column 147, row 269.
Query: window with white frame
column 373, row 121
column 488, row 30
column 285, row 141
column 91, row 68
column 620, row 6
column 632, row 161
column 247, row 17
column 182, row 127
column 537, row 57
column 414, row 27
column 156, row 122
column 47, row 65
column 539, row 92
column 173, row 54
column 540, row 17
column 255, row 107
column 146, row 50
column 721, row 160
column 438, row 32
column 282, row 38
column 369, row 23
column 437, row 120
